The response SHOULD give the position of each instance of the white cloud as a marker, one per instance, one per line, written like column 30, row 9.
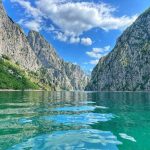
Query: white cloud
column 50, row 28
column 101, row 50
column 74, row 40
column 73, row 18
column 21, row 21
column 33, row 25
column 33, row 20
column 60, row 36
column 86, row 41
column 30, row 10
column 97, row 53
column 94, row 62
column 77, row 17
column 94, row 55
column 75, row 63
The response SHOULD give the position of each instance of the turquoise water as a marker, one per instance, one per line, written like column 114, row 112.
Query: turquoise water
column 74, row 121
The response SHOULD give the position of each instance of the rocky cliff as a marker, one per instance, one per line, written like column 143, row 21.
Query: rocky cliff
column 60, row 73
column 127, row 67
column 77, row 77
column 14, row 43
column 44, row 50
column 34, row 54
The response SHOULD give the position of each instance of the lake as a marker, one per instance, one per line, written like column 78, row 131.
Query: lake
column 74, row 121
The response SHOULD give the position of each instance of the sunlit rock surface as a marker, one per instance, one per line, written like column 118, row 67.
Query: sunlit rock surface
column 127, row 67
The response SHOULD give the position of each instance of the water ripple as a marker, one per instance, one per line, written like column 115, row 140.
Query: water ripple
column 127, row 137
column 85, row 139
column 75, row 108
column 85, row 118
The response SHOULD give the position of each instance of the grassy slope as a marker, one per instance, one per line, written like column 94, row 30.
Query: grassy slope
column 12, row 77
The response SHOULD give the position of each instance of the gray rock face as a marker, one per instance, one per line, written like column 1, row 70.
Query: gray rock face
column 44, row 51
column 127, row 67
column 76, row 76
column 63, row 75
column 14, row 43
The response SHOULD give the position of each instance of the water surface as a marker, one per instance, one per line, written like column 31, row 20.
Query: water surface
column 74, row 121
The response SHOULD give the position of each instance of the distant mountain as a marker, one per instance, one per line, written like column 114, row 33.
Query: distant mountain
column 127, row 67
column 35, row 55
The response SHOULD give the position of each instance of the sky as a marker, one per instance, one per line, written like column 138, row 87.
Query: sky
column 81, row 31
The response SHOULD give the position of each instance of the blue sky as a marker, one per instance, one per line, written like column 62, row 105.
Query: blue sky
column 82, row 31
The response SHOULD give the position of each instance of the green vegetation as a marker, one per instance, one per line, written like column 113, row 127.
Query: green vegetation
column 12, row 77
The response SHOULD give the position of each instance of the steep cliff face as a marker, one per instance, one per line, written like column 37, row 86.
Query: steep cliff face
column 14, row 43
column 57, row 72
column 44, row 51
column 77, row 77
column 127, row 67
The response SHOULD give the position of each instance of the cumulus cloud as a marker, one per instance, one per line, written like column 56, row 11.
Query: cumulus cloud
column 97, row 53
column 50, row 28
column 86, row 41
column 94, row 55
column 30, row 24
column 101, row 50
column 29, row 9
column 60, row 36
column 74, row 40
column 77, row 17
column 73, row 18
column 33, row 25
column 33, row 20
column 35, row 12
column 94, row 62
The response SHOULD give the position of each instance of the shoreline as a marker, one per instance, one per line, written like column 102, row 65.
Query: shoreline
column 32, row 90
column 11, row 90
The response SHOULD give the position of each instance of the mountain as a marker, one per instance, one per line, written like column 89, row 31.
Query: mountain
column 14, row 43
column 37, row 57
column 127, row 66
column 77, row 77
column 44, row 50
column 62, row 74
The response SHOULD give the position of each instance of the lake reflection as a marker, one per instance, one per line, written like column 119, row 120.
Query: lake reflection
column 74, row 121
